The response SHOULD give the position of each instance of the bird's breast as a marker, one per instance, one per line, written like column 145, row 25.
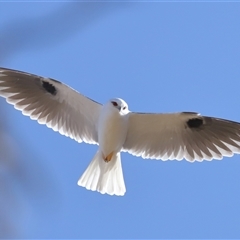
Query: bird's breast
column 112, row 131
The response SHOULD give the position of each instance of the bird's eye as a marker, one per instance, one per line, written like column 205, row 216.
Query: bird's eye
column 114, row 104
column 124, row 108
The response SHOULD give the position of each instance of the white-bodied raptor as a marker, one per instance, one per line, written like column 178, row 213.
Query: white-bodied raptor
column 183, row 135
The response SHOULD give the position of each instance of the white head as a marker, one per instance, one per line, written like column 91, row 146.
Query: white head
column 119, row 104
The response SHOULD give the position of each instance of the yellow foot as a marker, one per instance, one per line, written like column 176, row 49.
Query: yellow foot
column 108, row 157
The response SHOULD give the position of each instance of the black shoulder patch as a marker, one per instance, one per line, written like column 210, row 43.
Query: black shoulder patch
column 195, row 122
column 49, row 87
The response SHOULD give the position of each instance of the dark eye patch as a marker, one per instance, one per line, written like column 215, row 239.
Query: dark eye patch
column 114, row 104
column 124, row 108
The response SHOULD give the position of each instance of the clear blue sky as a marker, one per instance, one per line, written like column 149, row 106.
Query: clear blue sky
column 158, row 57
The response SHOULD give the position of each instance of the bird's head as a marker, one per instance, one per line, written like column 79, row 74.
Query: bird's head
column 119, row 104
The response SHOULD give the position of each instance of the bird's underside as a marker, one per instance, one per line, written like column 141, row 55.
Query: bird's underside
column 184, row 135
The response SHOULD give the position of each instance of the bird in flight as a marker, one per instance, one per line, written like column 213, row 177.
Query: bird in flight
column 114, row 128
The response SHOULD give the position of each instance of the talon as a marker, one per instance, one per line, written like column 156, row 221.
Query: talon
column 108, row 157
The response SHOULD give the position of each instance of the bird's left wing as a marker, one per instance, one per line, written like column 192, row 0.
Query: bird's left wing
column 52, row 103
column 181, row 135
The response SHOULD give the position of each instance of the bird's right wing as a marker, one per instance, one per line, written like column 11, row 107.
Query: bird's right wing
column 181, row 135
column 52, row 103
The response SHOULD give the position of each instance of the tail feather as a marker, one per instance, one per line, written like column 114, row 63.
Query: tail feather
column 104, row 177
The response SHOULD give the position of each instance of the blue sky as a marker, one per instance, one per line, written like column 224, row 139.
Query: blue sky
column 158, row 57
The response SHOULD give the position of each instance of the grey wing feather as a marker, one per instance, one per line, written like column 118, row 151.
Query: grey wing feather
column 180, row 136
column 52, row 103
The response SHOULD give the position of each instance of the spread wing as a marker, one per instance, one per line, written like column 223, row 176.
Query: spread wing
column 52, row 103
column 181, row 135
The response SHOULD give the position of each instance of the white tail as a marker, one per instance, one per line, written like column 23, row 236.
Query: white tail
column 104, row 177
